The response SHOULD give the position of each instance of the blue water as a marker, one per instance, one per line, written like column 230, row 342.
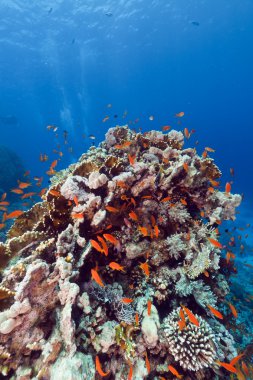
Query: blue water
column 62, row 62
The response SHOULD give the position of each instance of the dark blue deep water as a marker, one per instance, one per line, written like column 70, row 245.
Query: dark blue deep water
column 62, row 62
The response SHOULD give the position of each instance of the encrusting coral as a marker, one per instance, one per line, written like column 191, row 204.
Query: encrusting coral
column 94, row 275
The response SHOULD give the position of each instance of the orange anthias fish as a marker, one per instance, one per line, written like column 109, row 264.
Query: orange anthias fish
column 147, row 362
column 115, row 266
column 229, row 367
column 126, row 300
column 111, row 239
column 215, row 312
column 137, row 319
column 166, row 199
column 130, row 373
column 76, row 215
column 4, row 195
column 145, row 268
column 75, row 199
column 132, row 159
column 28, row 195
column 104, row 245
column 133, row 216
column 228, row 187
column 233, row 310
column 17, row 191
column 181, row 322
column 215, row 243
column 55, row 193
column 4, row 203
column 179, row 114
column 99, row 368
column 186, row 167
column 236, row 359
column 166, row 128
column 2, row 225
column 23, row 185
column 191, row 316
column 156, row 231
column 95, row 276
column 174, row 372
column 111, row 209
column 95, row 245
column 143, row 230
column 245, row 369
column 187, row 133
column 54, row 163
column 209, row 149
column 183, row 201
column 14, row 214
column 149, row 304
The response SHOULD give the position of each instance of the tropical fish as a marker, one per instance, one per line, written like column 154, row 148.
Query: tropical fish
column 54, row 163
column 143, row 230
column 215, row 243
column 227, row 366
column 133, row 216
column 215, row 312
column 105, row 119
column 183, row 201
column 137, row 319
column 147, row 362
column 236, row 359
column 111, row 239
column 95, row 276
column 174, row 372
column 126, row 300
column 95, row 245
column 28, row 195
column 2, row 225
column 131, row 159
column 233, row 310
column 179, row 114
column 186, row 167
column 228, row 187
column 145, row 268
column 104, row 245
column 130, row 373
column 156, row 231
column 187, row 133
column 14, row 214
column 55, row 193
column 77, row 215
column 166, row 128
column 111, row 209
column 166, row 199
column 245, row 369
column 4, row 203
column 115, row 266
column 191, row 316
column 99, row 368
column 4, row 195
column 75, row 199
column 209, row 149
column 214, row 183
column 149, row 304
column 24, row 185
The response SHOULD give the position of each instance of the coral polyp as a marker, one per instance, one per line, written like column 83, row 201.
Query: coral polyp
column 101, row 267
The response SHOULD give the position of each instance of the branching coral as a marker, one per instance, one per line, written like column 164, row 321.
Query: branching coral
column 193, row 347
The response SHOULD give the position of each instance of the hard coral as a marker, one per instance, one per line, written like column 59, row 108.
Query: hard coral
column 130, row 213
column 192, row 347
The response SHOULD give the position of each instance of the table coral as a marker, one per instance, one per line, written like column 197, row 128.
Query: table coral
column 100, row 267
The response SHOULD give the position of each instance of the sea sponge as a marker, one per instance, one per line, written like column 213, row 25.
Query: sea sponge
column 193, row 347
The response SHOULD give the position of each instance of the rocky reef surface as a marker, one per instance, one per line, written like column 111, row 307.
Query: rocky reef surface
column 115, row 273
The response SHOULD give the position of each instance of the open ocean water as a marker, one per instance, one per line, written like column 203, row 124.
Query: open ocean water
column 72, row 69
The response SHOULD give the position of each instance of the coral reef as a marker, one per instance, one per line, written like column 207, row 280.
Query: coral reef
column 99, row 270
